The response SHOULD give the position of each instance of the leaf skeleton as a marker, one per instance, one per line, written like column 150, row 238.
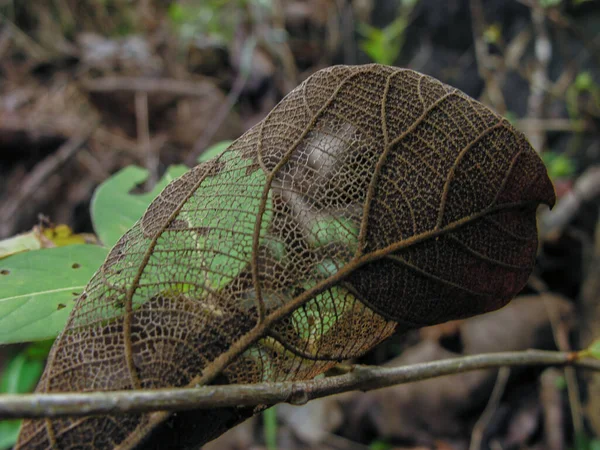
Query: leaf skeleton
column 371, row 200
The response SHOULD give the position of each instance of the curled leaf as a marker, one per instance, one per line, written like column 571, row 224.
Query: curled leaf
column 370, row 197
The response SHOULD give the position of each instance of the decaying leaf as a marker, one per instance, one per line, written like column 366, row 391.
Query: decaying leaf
column 369, row 198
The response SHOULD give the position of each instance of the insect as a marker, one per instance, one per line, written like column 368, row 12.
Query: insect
column 371, row 199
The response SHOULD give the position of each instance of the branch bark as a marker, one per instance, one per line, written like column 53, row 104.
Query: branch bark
column 206, row 397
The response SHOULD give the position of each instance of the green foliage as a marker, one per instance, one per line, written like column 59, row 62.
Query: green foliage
column 214, row 151
column 39, row 287
column 594, row 349
column 583, row 84
column 270, row 427
column 558, row 165
column 585, row 442
column 550, row 3
column 20, row 376
column 115, row 209
column 380, row 445
column 210, row 21
column 385, row 45
column 493, row 34
column 560, row 383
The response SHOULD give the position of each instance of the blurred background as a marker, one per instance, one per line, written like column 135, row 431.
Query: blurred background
column 88, row 87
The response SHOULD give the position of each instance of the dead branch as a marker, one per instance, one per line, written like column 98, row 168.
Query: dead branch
column 149, row 86
column 41, row 172
column 362, row 378
column 585, row 189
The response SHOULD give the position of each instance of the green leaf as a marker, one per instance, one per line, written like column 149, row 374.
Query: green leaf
column 38, row 289
column 594, row 349
column 549, row 3
column 270, row 427
column 20, row 376
column 380, row 445
column 20, row 243
column 558, row 165
column 9, row 431
column 214, row 151
column 115, row 209
column 584, row 81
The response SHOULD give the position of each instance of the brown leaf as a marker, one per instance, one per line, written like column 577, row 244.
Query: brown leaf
column 369, row 197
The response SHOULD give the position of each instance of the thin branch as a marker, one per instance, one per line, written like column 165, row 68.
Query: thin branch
column 536, row 103
column 488, row 413
column 485, row 63
column 42, row 171
column 207, row 397
column 202, row 143
column 149, row 86
column 586, row 188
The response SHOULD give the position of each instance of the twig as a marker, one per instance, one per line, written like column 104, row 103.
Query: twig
column 150, row 86
column 537, row 98
column 143, row 136
column 40, row 174
column 485, row 64
column 206, row 397
column 484, row 420
column 585, row 189
column 530, row 125
column 35, row 50
column 220, row 116
column 551, row 400
column 561, row 339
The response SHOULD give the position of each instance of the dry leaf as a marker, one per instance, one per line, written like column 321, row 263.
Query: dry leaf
column 370, row 197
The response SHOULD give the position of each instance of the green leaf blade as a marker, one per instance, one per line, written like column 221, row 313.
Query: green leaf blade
column 115, row 209
column 38, row 289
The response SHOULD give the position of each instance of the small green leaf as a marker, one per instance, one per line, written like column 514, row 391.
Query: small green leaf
column 584, row 81
column 558, row 165
column 594, row 349
column 33, row 285
column 115, row 209
column 380, row 445
column 549, row 3
column 560, row 383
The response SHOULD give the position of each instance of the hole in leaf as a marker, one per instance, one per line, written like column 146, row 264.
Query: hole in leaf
column 4, row 272
column 61, row 306
column 76, row 266
column 75, row 294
